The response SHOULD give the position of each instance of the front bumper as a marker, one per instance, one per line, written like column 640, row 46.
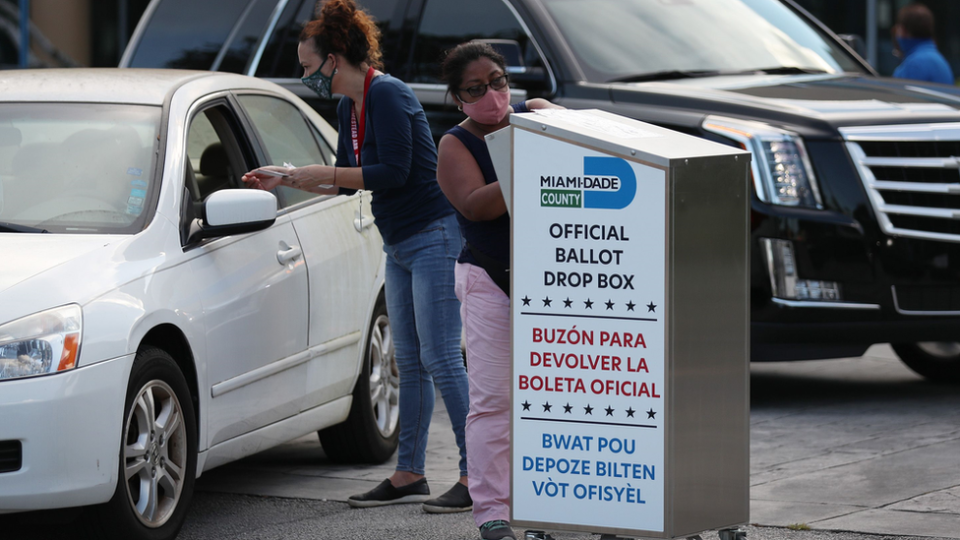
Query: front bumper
column 69, row 427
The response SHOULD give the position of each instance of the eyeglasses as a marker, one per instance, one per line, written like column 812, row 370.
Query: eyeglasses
column 479, row 90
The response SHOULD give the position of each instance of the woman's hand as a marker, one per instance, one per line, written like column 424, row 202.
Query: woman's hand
column 313, row 178
column 259, row 179
column 540, row 103
column 310, row 177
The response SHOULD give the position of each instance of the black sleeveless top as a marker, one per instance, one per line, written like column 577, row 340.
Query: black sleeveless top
column 491, row 238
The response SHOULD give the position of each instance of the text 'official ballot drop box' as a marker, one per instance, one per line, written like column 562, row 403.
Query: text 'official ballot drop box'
column 630, row 320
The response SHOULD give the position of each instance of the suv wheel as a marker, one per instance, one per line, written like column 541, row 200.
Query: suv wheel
column 371, row 432
column 158, row 455
column 936, row 360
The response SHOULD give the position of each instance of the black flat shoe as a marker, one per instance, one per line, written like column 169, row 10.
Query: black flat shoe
column 457, row 499
column 385, row 494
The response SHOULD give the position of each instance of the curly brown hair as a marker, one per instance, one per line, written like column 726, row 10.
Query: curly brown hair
column 341, row 27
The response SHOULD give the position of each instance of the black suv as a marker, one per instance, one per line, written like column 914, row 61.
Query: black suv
column 856, row 210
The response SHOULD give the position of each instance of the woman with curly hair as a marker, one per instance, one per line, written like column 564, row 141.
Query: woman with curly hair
column 385, row 146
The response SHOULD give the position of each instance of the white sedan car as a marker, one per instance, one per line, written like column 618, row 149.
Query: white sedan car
column 157, row 319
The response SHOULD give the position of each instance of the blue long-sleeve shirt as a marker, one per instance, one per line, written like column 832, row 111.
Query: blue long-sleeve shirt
column 923, row 62
column 398, row 156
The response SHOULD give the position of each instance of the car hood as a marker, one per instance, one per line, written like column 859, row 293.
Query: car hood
column 814, row 102
column 38, row 253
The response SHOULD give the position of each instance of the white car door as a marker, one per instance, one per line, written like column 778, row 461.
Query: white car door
column 341, row 248
column 253, row 289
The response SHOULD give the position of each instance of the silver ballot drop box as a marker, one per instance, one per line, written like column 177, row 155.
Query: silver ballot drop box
column 630, row 326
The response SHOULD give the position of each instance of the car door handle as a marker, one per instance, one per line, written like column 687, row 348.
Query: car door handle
column 362, row 222
column 287, row 254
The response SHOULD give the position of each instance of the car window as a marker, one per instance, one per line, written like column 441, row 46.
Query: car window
column 214, row 158
column 187, row 34
column 79, row 168
column 389, row 21
column 245, row 36
column 287, row 138
column 445, row 24
column 279, row 58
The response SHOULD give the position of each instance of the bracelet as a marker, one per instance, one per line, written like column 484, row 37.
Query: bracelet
column 334, row 175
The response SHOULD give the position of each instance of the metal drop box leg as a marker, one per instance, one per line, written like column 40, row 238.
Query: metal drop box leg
column 732, row 534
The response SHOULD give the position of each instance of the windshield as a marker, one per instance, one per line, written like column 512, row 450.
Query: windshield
column 620, row 39
column 77, row 167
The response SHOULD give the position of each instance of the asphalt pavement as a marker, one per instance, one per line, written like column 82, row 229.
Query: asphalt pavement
column 840, row 449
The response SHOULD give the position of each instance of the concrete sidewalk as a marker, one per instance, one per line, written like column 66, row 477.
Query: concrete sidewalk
column 852, row 445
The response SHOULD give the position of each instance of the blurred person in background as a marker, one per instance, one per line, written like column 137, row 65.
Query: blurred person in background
column 913, row 34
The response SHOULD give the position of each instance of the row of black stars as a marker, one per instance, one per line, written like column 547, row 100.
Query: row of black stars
column 588, row 304
column 567, row 409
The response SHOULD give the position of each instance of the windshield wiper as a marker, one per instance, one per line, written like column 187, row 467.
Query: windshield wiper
column 666, row 76
column 782, row 70
column 6, row 226
column 670, row 75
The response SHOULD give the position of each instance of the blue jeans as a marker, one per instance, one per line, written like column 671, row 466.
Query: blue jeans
column 425, row 319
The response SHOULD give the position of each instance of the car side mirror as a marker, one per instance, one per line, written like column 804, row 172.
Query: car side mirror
column 233, row 211
column 526, row 77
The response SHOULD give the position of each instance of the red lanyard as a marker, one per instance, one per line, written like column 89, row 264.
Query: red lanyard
column 357, row 128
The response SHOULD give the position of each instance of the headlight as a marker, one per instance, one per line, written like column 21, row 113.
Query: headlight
column 45, row 342
column 782, row 173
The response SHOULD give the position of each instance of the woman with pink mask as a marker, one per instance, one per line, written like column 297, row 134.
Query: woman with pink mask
column 476, row 77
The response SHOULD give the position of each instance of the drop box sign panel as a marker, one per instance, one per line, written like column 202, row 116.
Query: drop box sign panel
column 588, row 304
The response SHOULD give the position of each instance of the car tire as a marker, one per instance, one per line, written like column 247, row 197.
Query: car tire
column 158, row 455
column 372, row 430
column 935, row 360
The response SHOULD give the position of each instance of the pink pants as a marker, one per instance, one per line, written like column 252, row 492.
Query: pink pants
column 485, row 312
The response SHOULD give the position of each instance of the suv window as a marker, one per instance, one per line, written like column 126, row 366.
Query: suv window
column 245, row 36
column 446, row 24
column 279, row 59
column 187, row 34
column 287, row 138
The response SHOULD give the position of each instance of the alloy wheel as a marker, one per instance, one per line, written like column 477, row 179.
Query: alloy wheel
column 155, row 453
column 384, row 377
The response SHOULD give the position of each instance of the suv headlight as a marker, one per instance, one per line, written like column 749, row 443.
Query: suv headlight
column 45, row 342
column 782, row 173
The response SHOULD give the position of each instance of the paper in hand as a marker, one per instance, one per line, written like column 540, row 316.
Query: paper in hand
column 268, row 172
column 277, row 173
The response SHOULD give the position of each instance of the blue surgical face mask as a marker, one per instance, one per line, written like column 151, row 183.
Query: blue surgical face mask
column 320, row 83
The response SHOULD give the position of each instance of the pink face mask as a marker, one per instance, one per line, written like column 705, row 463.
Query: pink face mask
column 490, row 109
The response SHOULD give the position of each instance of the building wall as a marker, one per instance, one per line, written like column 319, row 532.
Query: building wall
column 66, row 23
column 88, row 31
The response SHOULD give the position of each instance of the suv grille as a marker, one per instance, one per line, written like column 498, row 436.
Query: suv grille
column 931, row 299
column 912, row 175
column 11, row 456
